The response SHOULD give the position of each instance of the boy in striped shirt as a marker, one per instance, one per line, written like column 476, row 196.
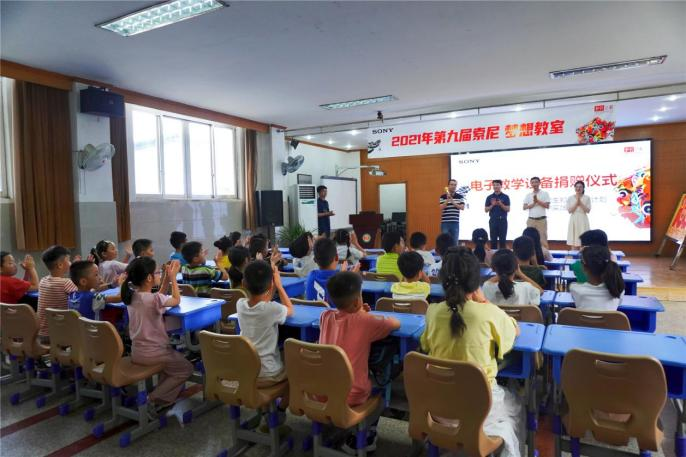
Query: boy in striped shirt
column 54, row 289
column 196, row 273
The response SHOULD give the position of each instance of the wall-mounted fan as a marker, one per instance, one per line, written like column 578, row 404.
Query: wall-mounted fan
column 292, row 164
column 93, row 157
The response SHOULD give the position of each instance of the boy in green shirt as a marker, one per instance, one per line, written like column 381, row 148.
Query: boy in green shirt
column 523, row 248
column 394, row 245
column 415, row 284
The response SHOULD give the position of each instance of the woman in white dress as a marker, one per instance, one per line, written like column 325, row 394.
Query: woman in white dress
column 578, row 205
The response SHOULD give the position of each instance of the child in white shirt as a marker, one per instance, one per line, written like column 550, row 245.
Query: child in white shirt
column 348, row 247
column 605, row 286
column 510, row 286
column 417, row 244
column 303, row 255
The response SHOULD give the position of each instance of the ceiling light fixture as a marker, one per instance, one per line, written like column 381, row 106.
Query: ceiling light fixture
column 655, row 118
column 308, row 137
column 453, row 115
column 159, row 15
column 331, row 141
column 664, row 108
column 656, row 60
column 673, row 98
column 348, row 146
column 359, row 102
column 354, row 132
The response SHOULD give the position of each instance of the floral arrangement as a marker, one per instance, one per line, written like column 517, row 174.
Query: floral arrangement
column 595, row 131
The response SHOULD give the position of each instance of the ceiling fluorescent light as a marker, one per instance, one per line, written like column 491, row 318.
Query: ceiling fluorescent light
column 360, row 102
column 608, row 66
column 159, row 15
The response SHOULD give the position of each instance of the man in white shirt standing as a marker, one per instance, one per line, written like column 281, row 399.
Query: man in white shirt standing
column 538, row 202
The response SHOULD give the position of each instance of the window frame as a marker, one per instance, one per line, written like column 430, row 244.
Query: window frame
column 186, row 120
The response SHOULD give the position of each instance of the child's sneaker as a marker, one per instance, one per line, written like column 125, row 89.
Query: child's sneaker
column 350, row 445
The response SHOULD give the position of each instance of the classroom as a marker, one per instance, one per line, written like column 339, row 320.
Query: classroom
column 332, row 228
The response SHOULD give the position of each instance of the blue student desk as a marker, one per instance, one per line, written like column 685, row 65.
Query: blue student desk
column 294, row 287
column 559, row 263
column 631, row 281
column 669, row 350
column 551, row 278
column 640, row 310
column 618, row 254
column 558, row 253
column 304, row 316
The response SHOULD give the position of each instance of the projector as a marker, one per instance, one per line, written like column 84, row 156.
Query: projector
column 376, row 172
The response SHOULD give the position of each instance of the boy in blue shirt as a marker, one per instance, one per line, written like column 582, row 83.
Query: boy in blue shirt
column 326, row 257
column 84, row 274
column 177, row 240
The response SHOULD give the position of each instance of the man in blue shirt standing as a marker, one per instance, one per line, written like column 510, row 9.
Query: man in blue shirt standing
column 497, row 207
column 323, row 213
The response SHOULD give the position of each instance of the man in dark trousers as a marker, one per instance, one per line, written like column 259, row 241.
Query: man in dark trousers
column 323, row 213
column 497, row 207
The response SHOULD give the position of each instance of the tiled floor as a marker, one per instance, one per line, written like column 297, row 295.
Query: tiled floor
column 208, row 434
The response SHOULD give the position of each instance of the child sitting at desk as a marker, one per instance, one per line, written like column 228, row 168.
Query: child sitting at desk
column 13, row 290
column 348, row 248
column 444, row 241
column 239, row 256
column 177, row 240
column 259, row 318
column 417, row 244
column 510, row 286
column 605, row 286
column 466, row 327
column 53, row 289
column 105, row 257
column 415, row 284
column 142, row 247
column 523, row 248
column 149, row 340
column 87, row 301
column 589, row 238
column 353, row 329
column 224, row 244
column 394, row 245
column 326, row 257
column 303, row 255
column 196, row 273
column 481, row 249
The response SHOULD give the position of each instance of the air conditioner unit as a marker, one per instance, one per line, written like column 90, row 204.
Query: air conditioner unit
column 303, row 205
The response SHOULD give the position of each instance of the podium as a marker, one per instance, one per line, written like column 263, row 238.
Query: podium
column 366, row 225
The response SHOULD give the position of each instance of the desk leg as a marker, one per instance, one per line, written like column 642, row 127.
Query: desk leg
column 188, row 341
column 680, row 435
column 531, row 409
column 403, row 348
column 557, row 420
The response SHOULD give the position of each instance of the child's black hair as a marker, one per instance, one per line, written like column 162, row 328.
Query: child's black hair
column 52, row 255
column 417, row 240
column 535, row 235
column 480, row 238
column 176, row 239
column 224, row 244
column 595, row 237
column 238, row 255
column 3, row 254
column 235, row 237
column 258, row 277
column 389, row 240
column 504, row 263
column 344, row 288
column 410, row 264
column 444, row 241
column 342, row 237
column 191, row 250
column 258, row 244
column 136, row 273
column 99, row 250
column 140, row 245
column 523, row 248
column 598, row 262
column 460, row 274
column 79, row 269
column 324, row 252
column 300, row 246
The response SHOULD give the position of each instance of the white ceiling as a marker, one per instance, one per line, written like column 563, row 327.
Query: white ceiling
column 640, row 111
column 277, row 61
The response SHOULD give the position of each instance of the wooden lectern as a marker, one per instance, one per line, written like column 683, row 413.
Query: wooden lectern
column 366, row 225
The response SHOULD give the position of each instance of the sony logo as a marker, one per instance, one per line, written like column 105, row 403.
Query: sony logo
column 377, row 131
column 466, row 161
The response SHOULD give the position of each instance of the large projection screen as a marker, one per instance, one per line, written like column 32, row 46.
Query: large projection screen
column 617, row 177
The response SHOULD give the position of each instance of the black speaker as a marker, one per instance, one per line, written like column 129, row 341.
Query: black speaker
column 101, row 102
column 269, row 207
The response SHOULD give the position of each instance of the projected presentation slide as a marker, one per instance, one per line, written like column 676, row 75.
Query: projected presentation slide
column 617, row 178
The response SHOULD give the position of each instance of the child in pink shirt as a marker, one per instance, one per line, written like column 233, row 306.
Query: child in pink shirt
column 150, row 343
column 353, row 329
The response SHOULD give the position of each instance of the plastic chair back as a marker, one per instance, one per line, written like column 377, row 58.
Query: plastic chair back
column 401, row 305
column 65, row 336
column 612, row 320
column 524, row 313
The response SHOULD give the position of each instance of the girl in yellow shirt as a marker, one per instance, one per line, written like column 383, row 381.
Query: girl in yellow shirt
column 467, row 327
column 224, row 244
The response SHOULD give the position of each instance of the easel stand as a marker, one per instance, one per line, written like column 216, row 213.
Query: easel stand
column 678, row 251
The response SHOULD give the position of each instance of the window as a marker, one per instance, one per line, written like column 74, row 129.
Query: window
column 182, row 158
column 6, row 106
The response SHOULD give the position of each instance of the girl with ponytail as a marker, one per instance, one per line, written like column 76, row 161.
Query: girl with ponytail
column 105, row 257
column 605, row 287
column 347, row 247
column 510, row 286
column 239, row 256
column 466, row 327
column 150, row 343
column 481, row 249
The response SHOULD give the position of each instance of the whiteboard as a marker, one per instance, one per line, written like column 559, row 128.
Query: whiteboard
column 342, row 198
